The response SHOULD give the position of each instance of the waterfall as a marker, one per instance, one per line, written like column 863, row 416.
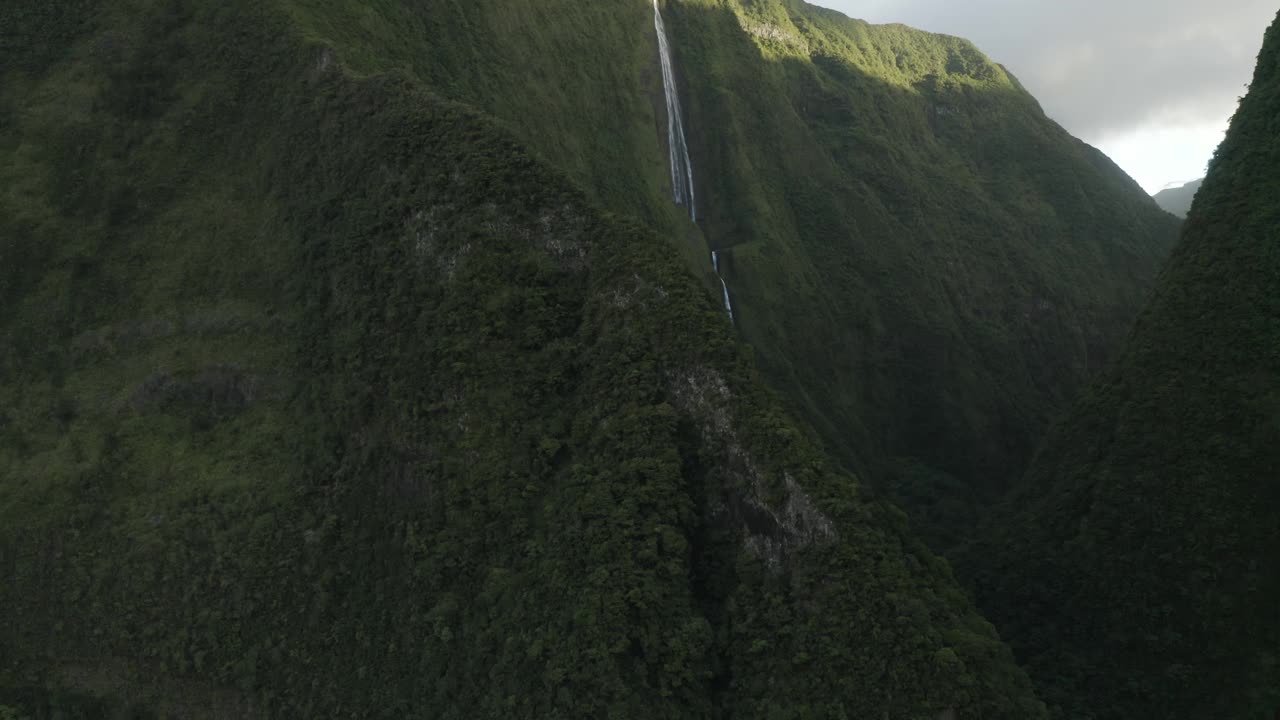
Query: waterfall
column 677, row 146
column 728, row 306
column 715, row 263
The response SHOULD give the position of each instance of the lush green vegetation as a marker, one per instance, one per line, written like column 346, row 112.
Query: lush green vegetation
column 1139, row 572
column 324, row 397
column 347, row 369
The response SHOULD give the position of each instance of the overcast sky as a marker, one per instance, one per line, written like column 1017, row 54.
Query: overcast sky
column 1150, row 82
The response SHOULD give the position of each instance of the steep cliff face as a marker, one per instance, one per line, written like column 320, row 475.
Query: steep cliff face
column 322, row 396
column 1139, row 573
column 926, row 265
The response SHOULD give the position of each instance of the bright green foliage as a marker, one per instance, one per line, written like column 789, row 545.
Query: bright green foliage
column 1139, row 574
column 322, row 397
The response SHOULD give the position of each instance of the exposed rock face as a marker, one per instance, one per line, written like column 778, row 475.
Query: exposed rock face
column 775, row 518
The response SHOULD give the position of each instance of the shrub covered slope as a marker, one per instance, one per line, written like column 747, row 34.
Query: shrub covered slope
column 1139, row 573
column 321, row 397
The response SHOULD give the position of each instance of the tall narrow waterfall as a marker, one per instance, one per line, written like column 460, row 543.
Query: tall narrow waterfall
column 715, row 263
column 678, row 147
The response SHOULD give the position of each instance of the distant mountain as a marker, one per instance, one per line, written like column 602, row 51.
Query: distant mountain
column 1178, row 200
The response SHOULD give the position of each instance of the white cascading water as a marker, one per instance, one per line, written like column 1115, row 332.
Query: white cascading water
column 715, row 263
column 677, row 147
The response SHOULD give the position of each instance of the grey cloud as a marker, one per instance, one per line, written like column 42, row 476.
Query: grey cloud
column 1103, row 66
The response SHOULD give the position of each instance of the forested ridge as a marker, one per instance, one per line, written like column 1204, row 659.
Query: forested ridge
column 1138, row 571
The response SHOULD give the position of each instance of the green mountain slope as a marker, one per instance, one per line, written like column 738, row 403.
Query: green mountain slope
column 1140, row 573
column 926, row 265
column 1178, row 200
column 321, row 396
column 918, row 253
